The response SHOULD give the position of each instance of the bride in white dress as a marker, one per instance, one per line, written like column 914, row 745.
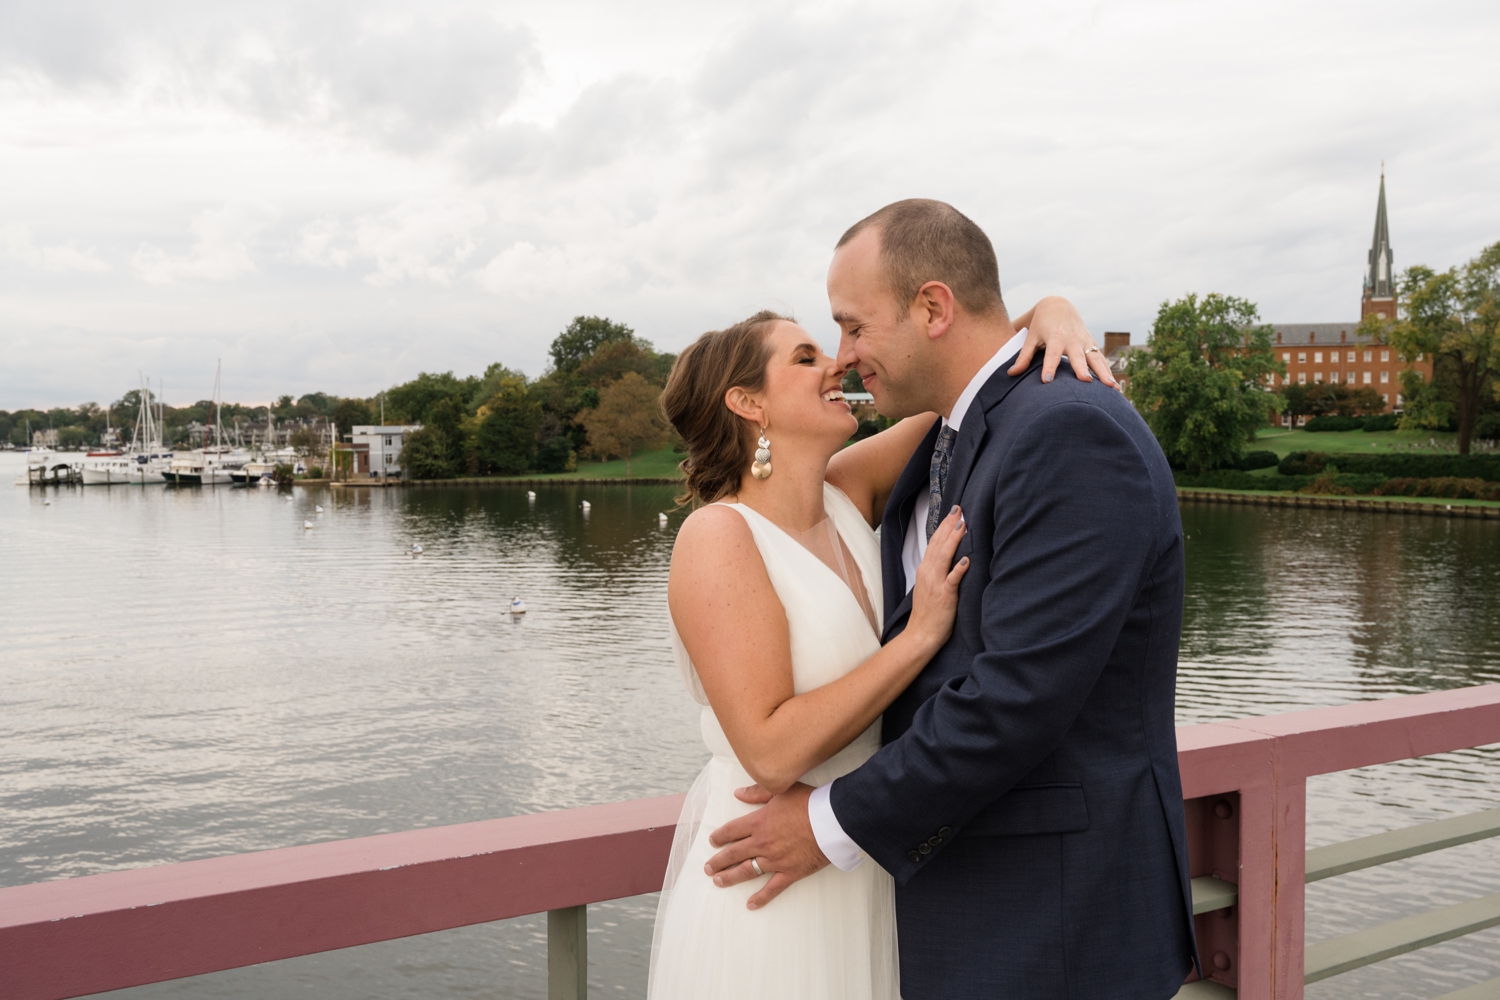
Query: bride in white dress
column 775, row 594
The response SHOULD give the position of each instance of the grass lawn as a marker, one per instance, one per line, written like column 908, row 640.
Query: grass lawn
column 647, row 465
column 1284, row 442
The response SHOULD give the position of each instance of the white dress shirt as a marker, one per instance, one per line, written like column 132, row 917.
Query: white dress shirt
column 835, row 844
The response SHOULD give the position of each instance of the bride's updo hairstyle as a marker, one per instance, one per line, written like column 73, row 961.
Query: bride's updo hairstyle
column 719, row 443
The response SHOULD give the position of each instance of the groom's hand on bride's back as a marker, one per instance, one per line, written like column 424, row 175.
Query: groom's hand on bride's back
column 778, row 836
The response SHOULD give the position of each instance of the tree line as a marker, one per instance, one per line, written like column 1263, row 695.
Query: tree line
column 1204, row 382
column 598, row 398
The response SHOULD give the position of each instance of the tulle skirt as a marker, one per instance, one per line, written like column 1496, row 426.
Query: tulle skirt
column 831, row 936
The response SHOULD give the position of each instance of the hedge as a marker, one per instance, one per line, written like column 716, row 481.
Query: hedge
column 1394, row 466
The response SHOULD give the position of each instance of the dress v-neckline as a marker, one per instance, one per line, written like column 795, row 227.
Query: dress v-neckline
column 843, row 584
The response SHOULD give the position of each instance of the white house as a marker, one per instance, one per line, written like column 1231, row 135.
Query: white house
column 384, row 444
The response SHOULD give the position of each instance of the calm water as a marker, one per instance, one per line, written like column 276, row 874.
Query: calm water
column 190, row 673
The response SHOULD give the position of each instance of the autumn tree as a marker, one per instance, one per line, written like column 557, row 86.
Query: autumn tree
column 628, row 419
column 1202, row 382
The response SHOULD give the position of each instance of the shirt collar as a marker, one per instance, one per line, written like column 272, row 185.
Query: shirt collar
column 1011, row 348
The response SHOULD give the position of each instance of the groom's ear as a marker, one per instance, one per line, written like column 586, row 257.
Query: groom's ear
column 933, row 308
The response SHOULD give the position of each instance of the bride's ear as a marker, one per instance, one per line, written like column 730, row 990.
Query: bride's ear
column 742, row 404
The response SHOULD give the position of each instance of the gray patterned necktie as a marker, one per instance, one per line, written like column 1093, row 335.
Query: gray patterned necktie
column 937, row 477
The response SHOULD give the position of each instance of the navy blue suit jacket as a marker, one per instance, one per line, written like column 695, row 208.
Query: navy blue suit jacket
column 1027, row 799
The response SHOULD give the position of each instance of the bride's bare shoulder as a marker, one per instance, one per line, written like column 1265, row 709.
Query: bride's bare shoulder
column 716, row 565
column 713, row 528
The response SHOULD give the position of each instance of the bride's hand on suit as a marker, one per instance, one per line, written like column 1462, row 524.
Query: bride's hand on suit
column 778, row 837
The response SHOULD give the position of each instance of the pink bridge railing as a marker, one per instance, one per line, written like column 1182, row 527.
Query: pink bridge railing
column 1245, row 783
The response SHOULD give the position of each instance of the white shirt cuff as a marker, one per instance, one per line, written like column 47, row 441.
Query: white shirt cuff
column 832, row 840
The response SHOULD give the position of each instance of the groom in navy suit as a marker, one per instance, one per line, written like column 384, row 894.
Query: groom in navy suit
column 1027, row 800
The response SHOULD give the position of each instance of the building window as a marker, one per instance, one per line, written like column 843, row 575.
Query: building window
column 1350, row 357
column 1369, row 355
column 1350, row 379
column 1385, row 376
column 1333, row 376
column 387, row 441
column 1302, row 378
column 1385, row 355
column 1286, row 355
column 1301, row 357
column 1317, row 376
column 1419, row 355
column 1386, row 398
column 1317, row 357
column 1367, row 378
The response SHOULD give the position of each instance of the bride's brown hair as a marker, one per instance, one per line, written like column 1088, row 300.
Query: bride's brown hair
column 719, row 443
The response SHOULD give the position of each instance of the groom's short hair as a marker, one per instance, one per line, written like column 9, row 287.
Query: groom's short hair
column 923, row 240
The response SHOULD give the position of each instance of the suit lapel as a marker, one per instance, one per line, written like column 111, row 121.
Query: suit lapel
column 893, row 524
column 976, row 429
column 914, row 479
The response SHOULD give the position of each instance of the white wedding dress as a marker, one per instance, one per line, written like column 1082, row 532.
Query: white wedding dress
column 831, row 936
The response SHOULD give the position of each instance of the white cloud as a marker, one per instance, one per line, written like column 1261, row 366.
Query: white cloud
column 456, row 180
column 221, row 253
column 19, row 246
column 419, row 240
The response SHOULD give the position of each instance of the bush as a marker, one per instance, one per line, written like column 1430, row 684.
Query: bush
column 282, row 473
column 1488, row 427
column 1257, row 460
column 316, row 472
column 1451, row 487
column 1310, row 463
column 1334, row 423
column 557, row 455
column 1233, row 479
column 1382, row 422
column 1302, row 463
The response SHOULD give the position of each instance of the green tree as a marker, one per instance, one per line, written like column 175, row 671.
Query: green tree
column 1202, row 381
column 584, row 336
column 350, row 412
column 506, row 439
column 429, row 454
column 1452, row 316
column 413, row 402
column 627, row 419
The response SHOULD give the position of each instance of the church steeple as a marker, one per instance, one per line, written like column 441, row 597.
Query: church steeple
column 1379, row 294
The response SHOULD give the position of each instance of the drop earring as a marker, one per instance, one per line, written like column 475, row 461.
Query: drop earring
column 761, row 467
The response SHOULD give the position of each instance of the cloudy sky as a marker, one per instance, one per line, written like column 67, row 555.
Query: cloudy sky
column 337, row 195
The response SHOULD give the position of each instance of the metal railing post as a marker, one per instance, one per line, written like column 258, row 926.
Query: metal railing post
column 568, row 954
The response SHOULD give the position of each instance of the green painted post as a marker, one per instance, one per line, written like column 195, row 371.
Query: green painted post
column 568, row 954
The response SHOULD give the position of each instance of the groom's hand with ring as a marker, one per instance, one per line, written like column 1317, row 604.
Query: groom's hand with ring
column 778, row 837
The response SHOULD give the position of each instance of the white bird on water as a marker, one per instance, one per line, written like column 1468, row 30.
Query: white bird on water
column 319, row 508
column 46, row 503
column 530, row 495
column 517, row 606
column 661, row 519
column 307, row 524
column 587, row 505
column 416, row 550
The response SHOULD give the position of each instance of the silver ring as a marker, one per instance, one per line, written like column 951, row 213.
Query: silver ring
column 755, row 864
column 1094, row 350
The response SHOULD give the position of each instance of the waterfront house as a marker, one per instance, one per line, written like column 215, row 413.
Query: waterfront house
column 377, row 448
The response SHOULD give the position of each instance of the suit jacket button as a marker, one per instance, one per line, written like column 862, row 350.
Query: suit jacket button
column 914, row 855
column 934, row 841
column 945, row 831
column 924, row 848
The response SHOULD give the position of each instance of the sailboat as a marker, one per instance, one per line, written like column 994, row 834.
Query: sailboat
column 209, row 466
column 143, row 463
